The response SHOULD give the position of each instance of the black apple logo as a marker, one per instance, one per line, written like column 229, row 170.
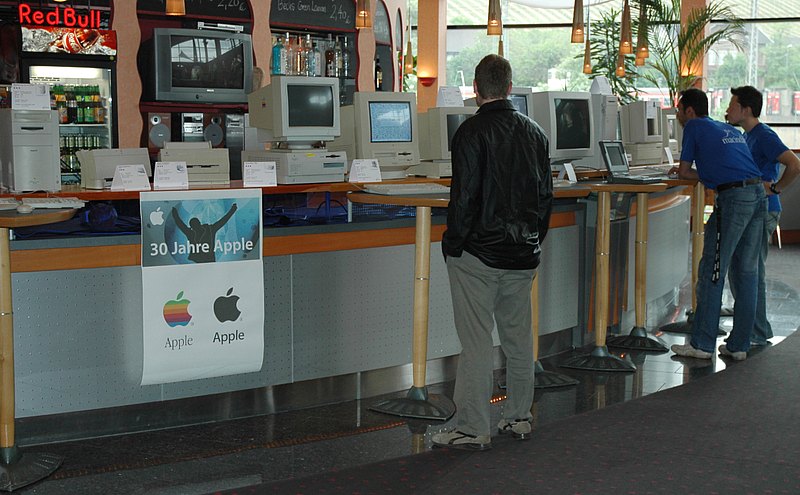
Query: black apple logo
column 225, row 307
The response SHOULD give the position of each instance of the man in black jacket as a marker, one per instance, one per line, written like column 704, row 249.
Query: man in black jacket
column 501, row 197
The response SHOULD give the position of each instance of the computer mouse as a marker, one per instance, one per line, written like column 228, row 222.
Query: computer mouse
column 23, row 208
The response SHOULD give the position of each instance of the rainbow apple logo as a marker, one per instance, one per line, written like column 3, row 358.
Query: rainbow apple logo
column 176, row 313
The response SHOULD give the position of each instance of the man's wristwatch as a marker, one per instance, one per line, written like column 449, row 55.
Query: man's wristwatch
column 772, row 188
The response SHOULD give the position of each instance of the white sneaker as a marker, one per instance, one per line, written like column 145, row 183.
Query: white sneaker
column 737, row 356
column 519, row 428
column 687, row 350
column 463, row 441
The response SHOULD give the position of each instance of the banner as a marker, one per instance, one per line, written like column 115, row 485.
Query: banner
column 202, row 284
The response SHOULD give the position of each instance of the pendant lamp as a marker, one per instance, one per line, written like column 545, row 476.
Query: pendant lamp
column 587, row 58
column 642, row 51
column 494, row 26
column 500, row 47
column 577, row 22
column 363, row 15
column 176, row 7
column 620, row 72
column 625, row 38
column 408, row 63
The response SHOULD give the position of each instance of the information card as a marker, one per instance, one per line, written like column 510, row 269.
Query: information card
column 170, row 175
column 30, row 97
column 259, row 174
column 130, row 178
column 365, row 171
column 449, row 96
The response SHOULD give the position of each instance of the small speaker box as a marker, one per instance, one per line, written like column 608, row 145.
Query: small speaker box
column 213, row 129
column 159, row 130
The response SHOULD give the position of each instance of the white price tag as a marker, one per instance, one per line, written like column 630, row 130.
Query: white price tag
column 171, row 175
column 30, row 96
column 449, row 96
column 130, row 178
column 365, row 171
column 260, row 174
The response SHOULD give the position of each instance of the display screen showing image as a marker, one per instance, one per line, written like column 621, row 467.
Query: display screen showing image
column 199, row 62
column 310, row 105
column 454, row 121
column 390, row 121
column 572, row 131
column 521, row 103
column 615, row 154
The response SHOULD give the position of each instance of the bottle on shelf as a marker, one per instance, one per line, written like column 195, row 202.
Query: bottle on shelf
column 319, row 66
column 277, row 55
column 337, row 53
column 330, row 59
column 345, row 59
column 72, row 106
column 99, row 111
column 300, row 57
column 61, row 104
column 286, row 58
column 308, row 60
column 378, row 75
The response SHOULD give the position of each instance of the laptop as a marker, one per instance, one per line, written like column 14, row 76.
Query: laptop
column 617, row 166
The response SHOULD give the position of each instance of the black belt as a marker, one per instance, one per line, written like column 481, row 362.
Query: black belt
column 738, row 183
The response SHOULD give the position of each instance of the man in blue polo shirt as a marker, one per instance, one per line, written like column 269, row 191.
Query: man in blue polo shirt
column 769, row 153
column 732, row 233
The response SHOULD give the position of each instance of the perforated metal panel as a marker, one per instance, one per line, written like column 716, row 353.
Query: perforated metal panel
column 559, row 280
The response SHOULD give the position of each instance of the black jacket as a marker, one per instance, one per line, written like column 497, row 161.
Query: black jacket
column 501, row 194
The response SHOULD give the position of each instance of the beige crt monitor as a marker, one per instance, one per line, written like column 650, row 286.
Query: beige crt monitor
column 437, row 127
column 98, row 166
column 382, row 126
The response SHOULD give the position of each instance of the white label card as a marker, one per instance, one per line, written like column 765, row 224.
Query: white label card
column 30, row 96
column 259, row 174
column 670, row 158
column 170, row 175
column 130, row 178
column 365, row 171
column 449, row 96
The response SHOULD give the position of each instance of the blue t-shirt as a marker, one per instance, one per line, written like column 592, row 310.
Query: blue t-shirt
column 719, row 151
column 766, row 147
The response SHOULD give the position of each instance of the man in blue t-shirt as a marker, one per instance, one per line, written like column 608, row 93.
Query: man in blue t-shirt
column 769, row 153
column 732, row 233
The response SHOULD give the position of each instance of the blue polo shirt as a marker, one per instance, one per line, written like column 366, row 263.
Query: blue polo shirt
column 719, row 151
column 766, row 147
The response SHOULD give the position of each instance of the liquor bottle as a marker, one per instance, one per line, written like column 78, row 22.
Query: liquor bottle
column 286, row 56
column 330, row 59
column 299, row 57
column 308, row 63
column 378, row 75
column 337, row 52
column 277, row 54
column 319, row 66
column 345, row 59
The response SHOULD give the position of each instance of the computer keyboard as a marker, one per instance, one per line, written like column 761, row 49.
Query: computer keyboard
column 404, row 189
column 53, row 202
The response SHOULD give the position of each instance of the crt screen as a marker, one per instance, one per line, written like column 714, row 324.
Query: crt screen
column 521, row 103
column 390, row 121
column 454, row 121
column 310, row 105
column 572, row 130
column 199, row 62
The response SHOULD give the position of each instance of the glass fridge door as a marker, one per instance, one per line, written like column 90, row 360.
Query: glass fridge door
column 82, row 96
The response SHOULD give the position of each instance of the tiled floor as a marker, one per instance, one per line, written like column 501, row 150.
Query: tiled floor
column 202, row 459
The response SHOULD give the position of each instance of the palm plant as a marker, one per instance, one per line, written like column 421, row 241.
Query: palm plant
column 604, row 36
column 676, row 48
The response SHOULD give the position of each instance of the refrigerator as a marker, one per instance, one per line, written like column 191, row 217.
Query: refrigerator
column 79, row 66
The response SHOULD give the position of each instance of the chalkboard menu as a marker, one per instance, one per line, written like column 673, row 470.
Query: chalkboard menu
column 331, row 15
column 383, row 33
column 219, row 9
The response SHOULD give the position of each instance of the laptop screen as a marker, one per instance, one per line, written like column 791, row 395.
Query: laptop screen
column 614, row 156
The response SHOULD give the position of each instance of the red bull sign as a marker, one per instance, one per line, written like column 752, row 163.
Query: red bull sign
column 59, row 17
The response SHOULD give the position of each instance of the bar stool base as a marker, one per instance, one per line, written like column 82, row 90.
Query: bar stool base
column 543, row 379
column 18, row 470
column 418, row 404
column 685, row 326
column 599, row 360
column 637, row 340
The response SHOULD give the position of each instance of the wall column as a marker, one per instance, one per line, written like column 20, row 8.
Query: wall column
column 129, row 84
column 431, row 50
column 701, row 68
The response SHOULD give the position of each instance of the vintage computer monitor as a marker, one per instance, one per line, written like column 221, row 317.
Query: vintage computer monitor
column 672, row 131
column 298, row 111
column 641, row 131
column 437, row 127
column 382, row 126
column 521, row 97
column 567, row 119
column 98, row 166
column 605, row 115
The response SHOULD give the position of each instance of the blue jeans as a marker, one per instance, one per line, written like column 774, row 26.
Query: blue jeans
column 741, row 210
column 762, row 330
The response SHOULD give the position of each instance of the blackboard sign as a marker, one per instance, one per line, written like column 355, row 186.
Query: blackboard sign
column 330, row 15
column 220, row 9
column 383, row 33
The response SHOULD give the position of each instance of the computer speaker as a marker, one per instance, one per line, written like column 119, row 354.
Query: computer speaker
column 159, row 131
column 212, row 129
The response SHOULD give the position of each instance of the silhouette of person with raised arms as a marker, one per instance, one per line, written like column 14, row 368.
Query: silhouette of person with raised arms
column 199, row 234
